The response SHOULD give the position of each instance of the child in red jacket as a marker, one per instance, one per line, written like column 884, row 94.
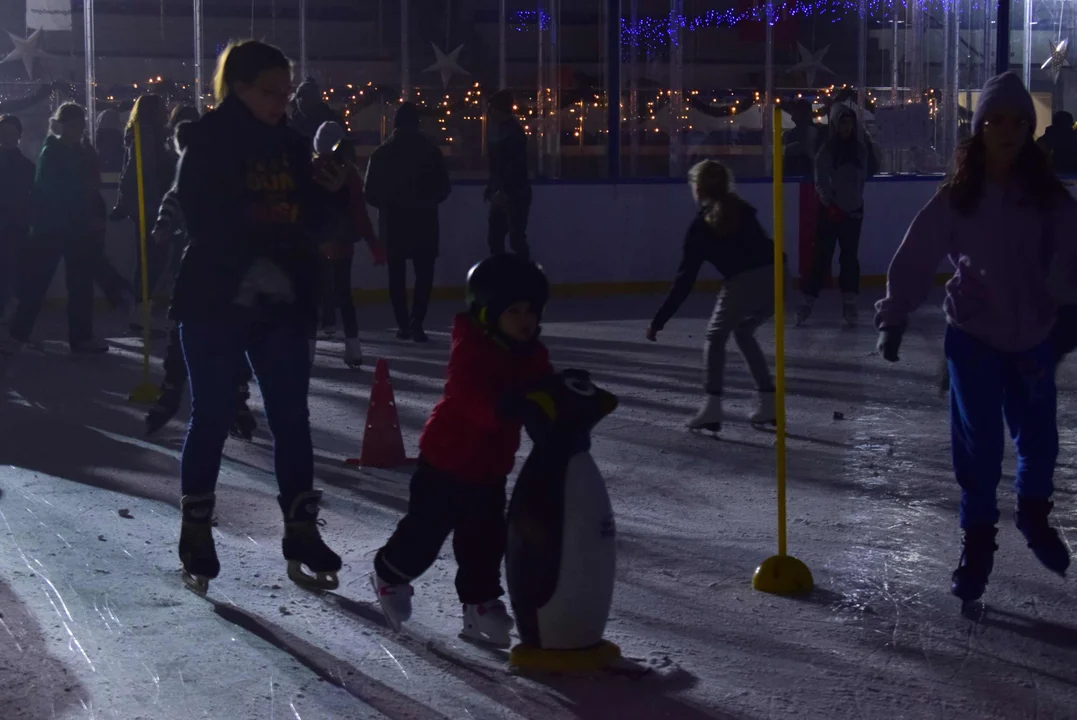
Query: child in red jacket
column 468, row 448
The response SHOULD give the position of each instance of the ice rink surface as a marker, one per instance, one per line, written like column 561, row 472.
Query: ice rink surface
column 95, row 623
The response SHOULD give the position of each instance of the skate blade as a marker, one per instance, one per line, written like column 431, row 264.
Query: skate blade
column 355, row 364
column 485, row 642
column 707, row 427
column 198, row 583
column 764, row 423
column 317, row 581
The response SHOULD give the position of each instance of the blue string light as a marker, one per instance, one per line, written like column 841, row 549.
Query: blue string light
column 658, row 33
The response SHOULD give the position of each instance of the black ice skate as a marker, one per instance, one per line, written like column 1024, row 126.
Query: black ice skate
column 245, row 424
column 977, row 561
column 303, row 544
column 164, row 409
column 1043, row 540
column 196, row 549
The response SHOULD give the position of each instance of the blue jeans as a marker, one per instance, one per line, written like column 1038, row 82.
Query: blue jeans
column 280, row 356
column 985, row 386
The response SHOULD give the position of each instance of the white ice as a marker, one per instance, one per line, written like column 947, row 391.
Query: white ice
column 95, row 623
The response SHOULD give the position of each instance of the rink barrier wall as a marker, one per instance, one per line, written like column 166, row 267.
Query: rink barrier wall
column 599, row 239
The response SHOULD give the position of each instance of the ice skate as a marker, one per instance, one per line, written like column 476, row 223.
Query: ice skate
column 419, row 335
column 245, row 424
column 977, row 560
column 804, row 311
column 403, row 334
column 765, row 413
column 848, row 310
column 328, row 332
column 303, row 545
column 395, row 601
column 709, row 418
column 488, row 623
column 196, row 549
column 353, row 353
column 1043, row 540
column 164, row 409
column 93, row 346
column 137, row 317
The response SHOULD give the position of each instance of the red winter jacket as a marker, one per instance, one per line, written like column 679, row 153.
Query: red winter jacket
column 465, row 435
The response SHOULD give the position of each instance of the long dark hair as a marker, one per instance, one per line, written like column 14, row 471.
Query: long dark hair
column 1038, row 182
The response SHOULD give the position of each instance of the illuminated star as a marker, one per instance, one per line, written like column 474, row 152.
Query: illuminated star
column 26, row 49
column 447, row 65
column 810, row 63
column 1054, row 64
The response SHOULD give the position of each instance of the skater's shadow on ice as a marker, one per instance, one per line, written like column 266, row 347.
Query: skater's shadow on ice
column 649, row 698
column 43, row 441
column 33, row 684
column 1043, row 631
column 391, row 703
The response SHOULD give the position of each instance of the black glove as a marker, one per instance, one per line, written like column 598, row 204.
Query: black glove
column 889, row 343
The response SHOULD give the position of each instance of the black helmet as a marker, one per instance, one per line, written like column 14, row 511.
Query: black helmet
column 501, row 280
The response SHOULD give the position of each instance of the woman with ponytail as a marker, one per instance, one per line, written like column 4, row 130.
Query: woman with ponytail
column 727, row 234
column 247, row 290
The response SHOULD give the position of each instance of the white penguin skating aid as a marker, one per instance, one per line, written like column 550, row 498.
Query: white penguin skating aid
column 561, row 556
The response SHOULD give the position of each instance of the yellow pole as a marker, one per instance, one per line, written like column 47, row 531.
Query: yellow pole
column 780, row 574
column 144, row 392
column 779, row 322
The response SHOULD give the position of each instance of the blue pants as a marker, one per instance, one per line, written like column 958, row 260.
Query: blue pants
column 986, row 385
column 278, row 351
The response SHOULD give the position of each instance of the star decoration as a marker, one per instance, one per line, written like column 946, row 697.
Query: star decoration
column 26, row 49
column 447, row 65
column 1054, row 64
column 810, row 63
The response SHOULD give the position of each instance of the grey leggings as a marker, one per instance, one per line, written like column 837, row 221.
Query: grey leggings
column 745, row 302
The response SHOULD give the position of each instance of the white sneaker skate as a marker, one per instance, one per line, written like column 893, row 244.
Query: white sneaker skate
column 765, row 413
column 709, row 417
column 353, row 353
column 395, row 601
column 488, row 623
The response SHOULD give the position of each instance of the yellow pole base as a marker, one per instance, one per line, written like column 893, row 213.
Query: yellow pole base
column 144, row 394
column 783, row 575
column 526, row 658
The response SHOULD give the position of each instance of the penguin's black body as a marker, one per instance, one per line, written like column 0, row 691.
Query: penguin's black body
column 561, row 557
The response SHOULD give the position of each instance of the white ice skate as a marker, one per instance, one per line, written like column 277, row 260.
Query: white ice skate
column 488, row 623
column 765, row 413
column 395, row 601
column 709, row 417
column 353, row 353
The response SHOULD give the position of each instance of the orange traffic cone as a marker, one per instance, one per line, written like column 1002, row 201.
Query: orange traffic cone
column 383, row 443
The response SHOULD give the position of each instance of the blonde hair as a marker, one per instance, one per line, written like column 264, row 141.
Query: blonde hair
column 713, row 186
column 243, row 61
column 146, row 107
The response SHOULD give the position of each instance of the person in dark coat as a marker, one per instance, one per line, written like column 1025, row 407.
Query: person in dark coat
column 309, row 111
column 158, row 171
column 1060, row 143
column 16, row 186
column 67, row 216
column 247, row 291
column 406, row 180
column 109, row 143
column 508, row 189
